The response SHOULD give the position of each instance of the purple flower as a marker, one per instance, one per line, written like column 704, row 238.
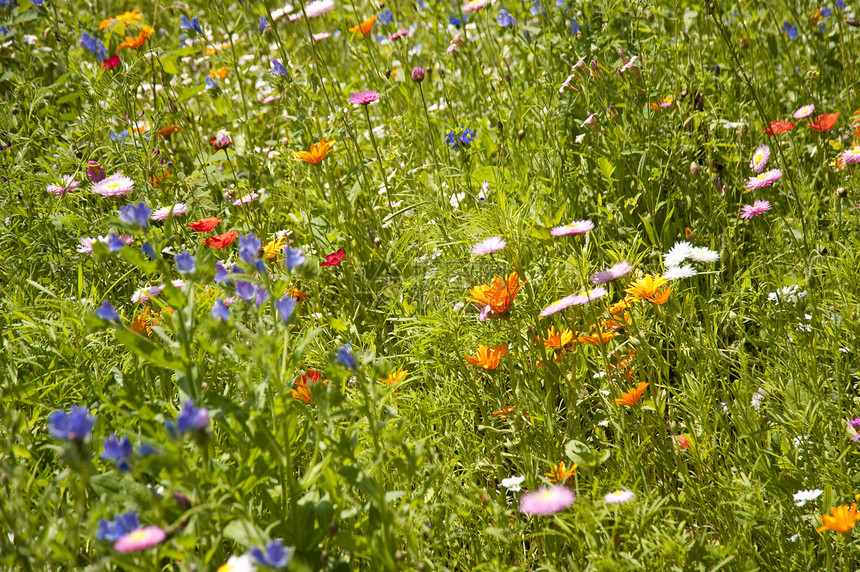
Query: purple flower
column 135, row 215
column 293, row 257
column 344, row 356
column 263, row 23
column 95, row 172
column 546, row 500
column 245, row 290
column 72, row 425
column 192, row 25
column 107, row 313
column 113, row 530
column 363, row 97
column 276, row 555
column 285, row 307
column 613, row 273
column 505, row 20
column 221, row 273
column 192, row 418
column 249, row 248
column 93, row 45
column 261, row 295
column 185, row 263
column 278, row 68
column 210, row 83
column 418, row 74
column 119, row 451
column 220, row 310
column 755, row 209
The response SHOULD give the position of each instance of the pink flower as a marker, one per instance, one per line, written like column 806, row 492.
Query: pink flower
column 804, row 111
column 576, row 227
column 613, row 273
column 850, row 156
column 485, row 313
column 619, row 497
column 176, row 210
column 755, row 209
column 314, row 9
column 588, row 296
column 474, row 5
column 766, row 179
column 363, row 97
column 559, row 305
column 568, row 85
column 760, row 157
column 321, row 36
column 69, row 184
column 546, row 500
column 250, row 198
column 590, row 121
column 401, row 33
column 489, row 246
column 116, row 185
column 140, row 539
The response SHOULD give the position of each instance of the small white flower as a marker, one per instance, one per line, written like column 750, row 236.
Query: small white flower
column 803, row 497
column 513, row 483
column 243, row 563
column 757, row 397
column 677, row 254
column 704, row 255
column 678, row 272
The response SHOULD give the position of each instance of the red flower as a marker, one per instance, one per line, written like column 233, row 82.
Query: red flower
column 204, row 224
column 312, row 375
column 824, row 122
column 777, row 127
column 111, row 62
column 334, row 258
column 221, row 240
column 683, row 442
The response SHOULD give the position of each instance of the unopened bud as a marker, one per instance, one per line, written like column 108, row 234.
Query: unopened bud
column 521, row 134
column 418, row 74
column 695, row 170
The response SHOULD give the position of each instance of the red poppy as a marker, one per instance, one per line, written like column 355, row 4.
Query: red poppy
column 312, row 375
column 221, row 240
column 110, row 62
column 204, row 224
column 824, row 122
column 334, row 258
column 683, row 443
column 777, row 127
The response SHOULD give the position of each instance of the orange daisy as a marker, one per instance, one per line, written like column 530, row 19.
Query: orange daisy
column 561, row 474
column 841, row 519
column 364, row 27
column 317, row 153
column 633, row 396
column 135, row 43
column 488, row 358
column 302, row 390
column 648, row 288
column 132, row 17
column 273, row 247
column 219, row 73
column 557, row 340
column 395, row 377
column 498, row 295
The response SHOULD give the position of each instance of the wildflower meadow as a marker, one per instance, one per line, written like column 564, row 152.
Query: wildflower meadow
column 545, row 285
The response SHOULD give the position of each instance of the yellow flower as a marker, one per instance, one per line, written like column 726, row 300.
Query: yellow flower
column 219, row 73
column 633, row 396
column 273, row 247
column 562, row 474
column 841, row 519
column 648, row 288
column 132, row 17
column 135, row 43
column 498, row 295
column 395, row 377
column 364, row 27
column 557, row 340
column 488, row 358
column 317, row 153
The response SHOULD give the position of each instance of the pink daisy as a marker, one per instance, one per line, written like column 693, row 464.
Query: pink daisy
column 546, row 500
column 363, row 97
column 760, row 158
column 576, row 227
column 140, row 539
column 489, row 246
column 250, row 198
column 765, row 179
column 804, row 111
column 755, row 209
column 851, row 156
column 559, row 305
column 474, row 5
column 619, row 497
column 613, row 273
column 69, row 184
column 314, row 9
column 177, row 210
column 321, row 36
column 588, row 296
column 116, row 185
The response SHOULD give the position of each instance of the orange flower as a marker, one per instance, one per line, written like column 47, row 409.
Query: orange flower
column 842, row 519
column 167, row 130
column 633, row 396
column 219, row 73
column 395, row 377
column 557, row 340
column 508, row 410
column 498, row 295
column 135, row 43
column 561, row 474
column 296, row 293
column 204, row 224
column 488, row 358
column 211, row 51
column 126, row 18
column 597, row 337
column 648, row 288
column 155, row 179
column 364, row 27
column 143, row 321
column 272, row 248
column 317, row 153
column 302, row 391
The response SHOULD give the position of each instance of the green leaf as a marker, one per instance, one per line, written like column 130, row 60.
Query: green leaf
column 148, row 351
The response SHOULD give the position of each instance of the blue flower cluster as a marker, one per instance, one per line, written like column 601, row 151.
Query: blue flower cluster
column 461, row 137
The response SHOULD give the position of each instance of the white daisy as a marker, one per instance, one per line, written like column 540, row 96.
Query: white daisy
column 677, row 254
column 678, row 272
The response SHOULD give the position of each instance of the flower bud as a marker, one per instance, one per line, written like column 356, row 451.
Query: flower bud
column 695, row 170
column 418, row 74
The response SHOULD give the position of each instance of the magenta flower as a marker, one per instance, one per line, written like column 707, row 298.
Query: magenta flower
column 766, row 179
column 755, row 209
column 588, row 296
column 559, row 305
column 576, row 227
column 760, row 157
column 116, row 185
column 851, row 156
column 69, row 184
column 546, row 500
column 140, row 539
column 613, row 273
column 249, row 198
column 363, row 97
column 176, row 210
column 314, row 9
column 489, row 246
column 804, row 111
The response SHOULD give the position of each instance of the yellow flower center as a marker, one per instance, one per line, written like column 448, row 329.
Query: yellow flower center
column 139, row 535
column 113, row 185
column 762, row 176
column 757, row 157
column 226, row 568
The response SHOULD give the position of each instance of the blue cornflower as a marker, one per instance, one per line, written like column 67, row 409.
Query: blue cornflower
column 455, row 21
column 93, row 45
column 276, row 555
column 840, row 4
column 220, row 310
column 790, row 30
column 278, row 68
column 293, row 257
column 107, row 313
column 505, row 20
column 72, row 425
column 574, row 27
column 210, row 83
column 261, row 295
column 451, row 139
column 113, row 530
column 192, row 418
column 344, row 356
column 245, row 290
column 135, row 215
column 192, row 25
column 185, row 263
column 119, row 451
column 285, row 307
column 826, row 12
column 263, row 23
column 385, row 17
